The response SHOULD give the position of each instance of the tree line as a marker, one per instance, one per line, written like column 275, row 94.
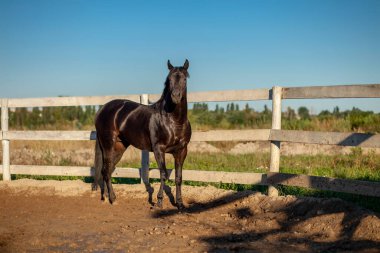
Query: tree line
column 203, row 118
column 71, row 117
column 247, row 118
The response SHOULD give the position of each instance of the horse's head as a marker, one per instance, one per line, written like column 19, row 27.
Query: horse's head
column 177, row 81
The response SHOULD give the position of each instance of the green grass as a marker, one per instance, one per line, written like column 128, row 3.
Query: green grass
column 355, row 165
column 352, row 166
column 215, row 162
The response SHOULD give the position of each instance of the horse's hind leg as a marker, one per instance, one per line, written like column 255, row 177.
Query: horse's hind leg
column 107, row 172
column 98, row 164
column 119, row 149
column 111, row 157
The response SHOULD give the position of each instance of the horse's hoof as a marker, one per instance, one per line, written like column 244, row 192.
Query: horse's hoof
column 94, row 187
column 102, row 198
column 181, row 206
column 158, row 204
column 112, row 199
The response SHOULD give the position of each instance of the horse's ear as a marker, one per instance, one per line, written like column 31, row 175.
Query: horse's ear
column 170, row 66
column 186, row 64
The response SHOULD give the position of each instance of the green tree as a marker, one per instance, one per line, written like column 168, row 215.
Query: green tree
column 303, row 112
column 290, row 114
column 247, row 109
column 336, row 112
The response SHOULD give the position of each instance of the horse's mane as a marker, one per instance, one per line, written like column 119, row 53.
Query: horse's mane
column 159, row 102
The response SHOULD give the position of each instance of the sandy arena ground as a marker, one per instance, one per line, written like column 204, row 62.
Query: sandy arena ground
column 65, row 216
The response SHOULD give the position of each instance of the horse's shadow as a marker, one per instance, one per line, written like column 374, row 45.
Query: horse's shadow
column 196, row 207
column 296, row 213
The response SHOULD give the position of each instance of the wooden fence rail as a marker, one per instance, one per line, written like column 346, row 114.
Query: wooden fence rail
column 310, row 137
column 275, row 135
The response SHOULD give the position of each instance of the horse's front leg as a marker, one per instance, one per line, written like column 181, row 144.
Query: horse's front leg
column 160, row 158
column 179, row 158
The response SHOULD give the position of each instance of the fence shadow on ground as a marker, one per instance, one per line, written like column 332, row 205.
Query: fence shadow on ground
column 296, row 214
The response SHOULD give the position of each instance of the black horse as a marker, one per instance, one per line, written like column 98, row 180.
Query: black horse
column 162, row 127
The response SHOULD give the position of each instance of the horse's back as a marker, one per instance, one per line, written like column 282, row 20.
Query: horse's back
column 108, row 115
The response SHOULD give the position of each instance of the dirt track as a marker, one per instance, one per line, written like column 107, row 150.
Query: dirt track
column 53, row 216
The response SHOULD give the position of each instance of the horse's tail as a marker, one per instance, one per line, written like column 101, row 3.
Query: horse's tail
column 98, row 166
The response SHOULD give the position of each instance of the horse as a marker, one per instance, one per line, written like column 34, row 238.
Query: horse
column 162, row 127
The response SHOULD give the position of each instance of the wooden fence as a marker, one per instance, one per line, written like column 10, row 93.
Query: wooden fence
column 275, row 135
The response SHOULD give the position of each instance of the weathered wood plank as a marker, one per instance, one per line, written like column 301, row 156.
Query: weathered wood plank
column 222, row 96
column 331, row 184
column 225, row 177
column 51, row 170
column 50, row 135
column 231, row 135
column 190, row 175
column 4, row 142
column 214, row 135
column 325, row 183
column 275, row 144
column 329, row 138
column 212, row 96
column 69, row 171
column 216, row 176
column 67, row 101
column 336, row 91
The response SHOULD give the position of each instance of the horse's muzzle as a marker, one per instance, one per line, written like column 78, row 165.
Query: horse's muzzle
column 176, row 97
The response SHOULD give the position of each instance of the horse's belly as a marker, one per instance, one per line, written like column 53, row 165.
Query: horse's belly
column 142, row 147
column 175, row 146
column 137, row 138
column 140, row 143
column 134, row 129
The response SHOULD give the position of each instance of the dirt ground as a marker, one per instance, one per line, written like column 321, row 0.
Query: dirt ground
column 65, row 216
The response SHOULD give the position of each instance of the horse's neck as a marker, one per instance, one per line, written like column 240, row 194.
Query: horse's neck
column 178, row 112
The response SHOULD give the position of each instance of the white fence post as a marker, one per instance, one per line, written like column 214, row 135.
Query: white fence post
column 275, row 145
column 144, row 99
column 4, row 127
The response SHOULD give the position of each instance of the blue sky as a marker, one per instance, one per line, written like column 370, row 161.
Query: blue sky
column 87, row 48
